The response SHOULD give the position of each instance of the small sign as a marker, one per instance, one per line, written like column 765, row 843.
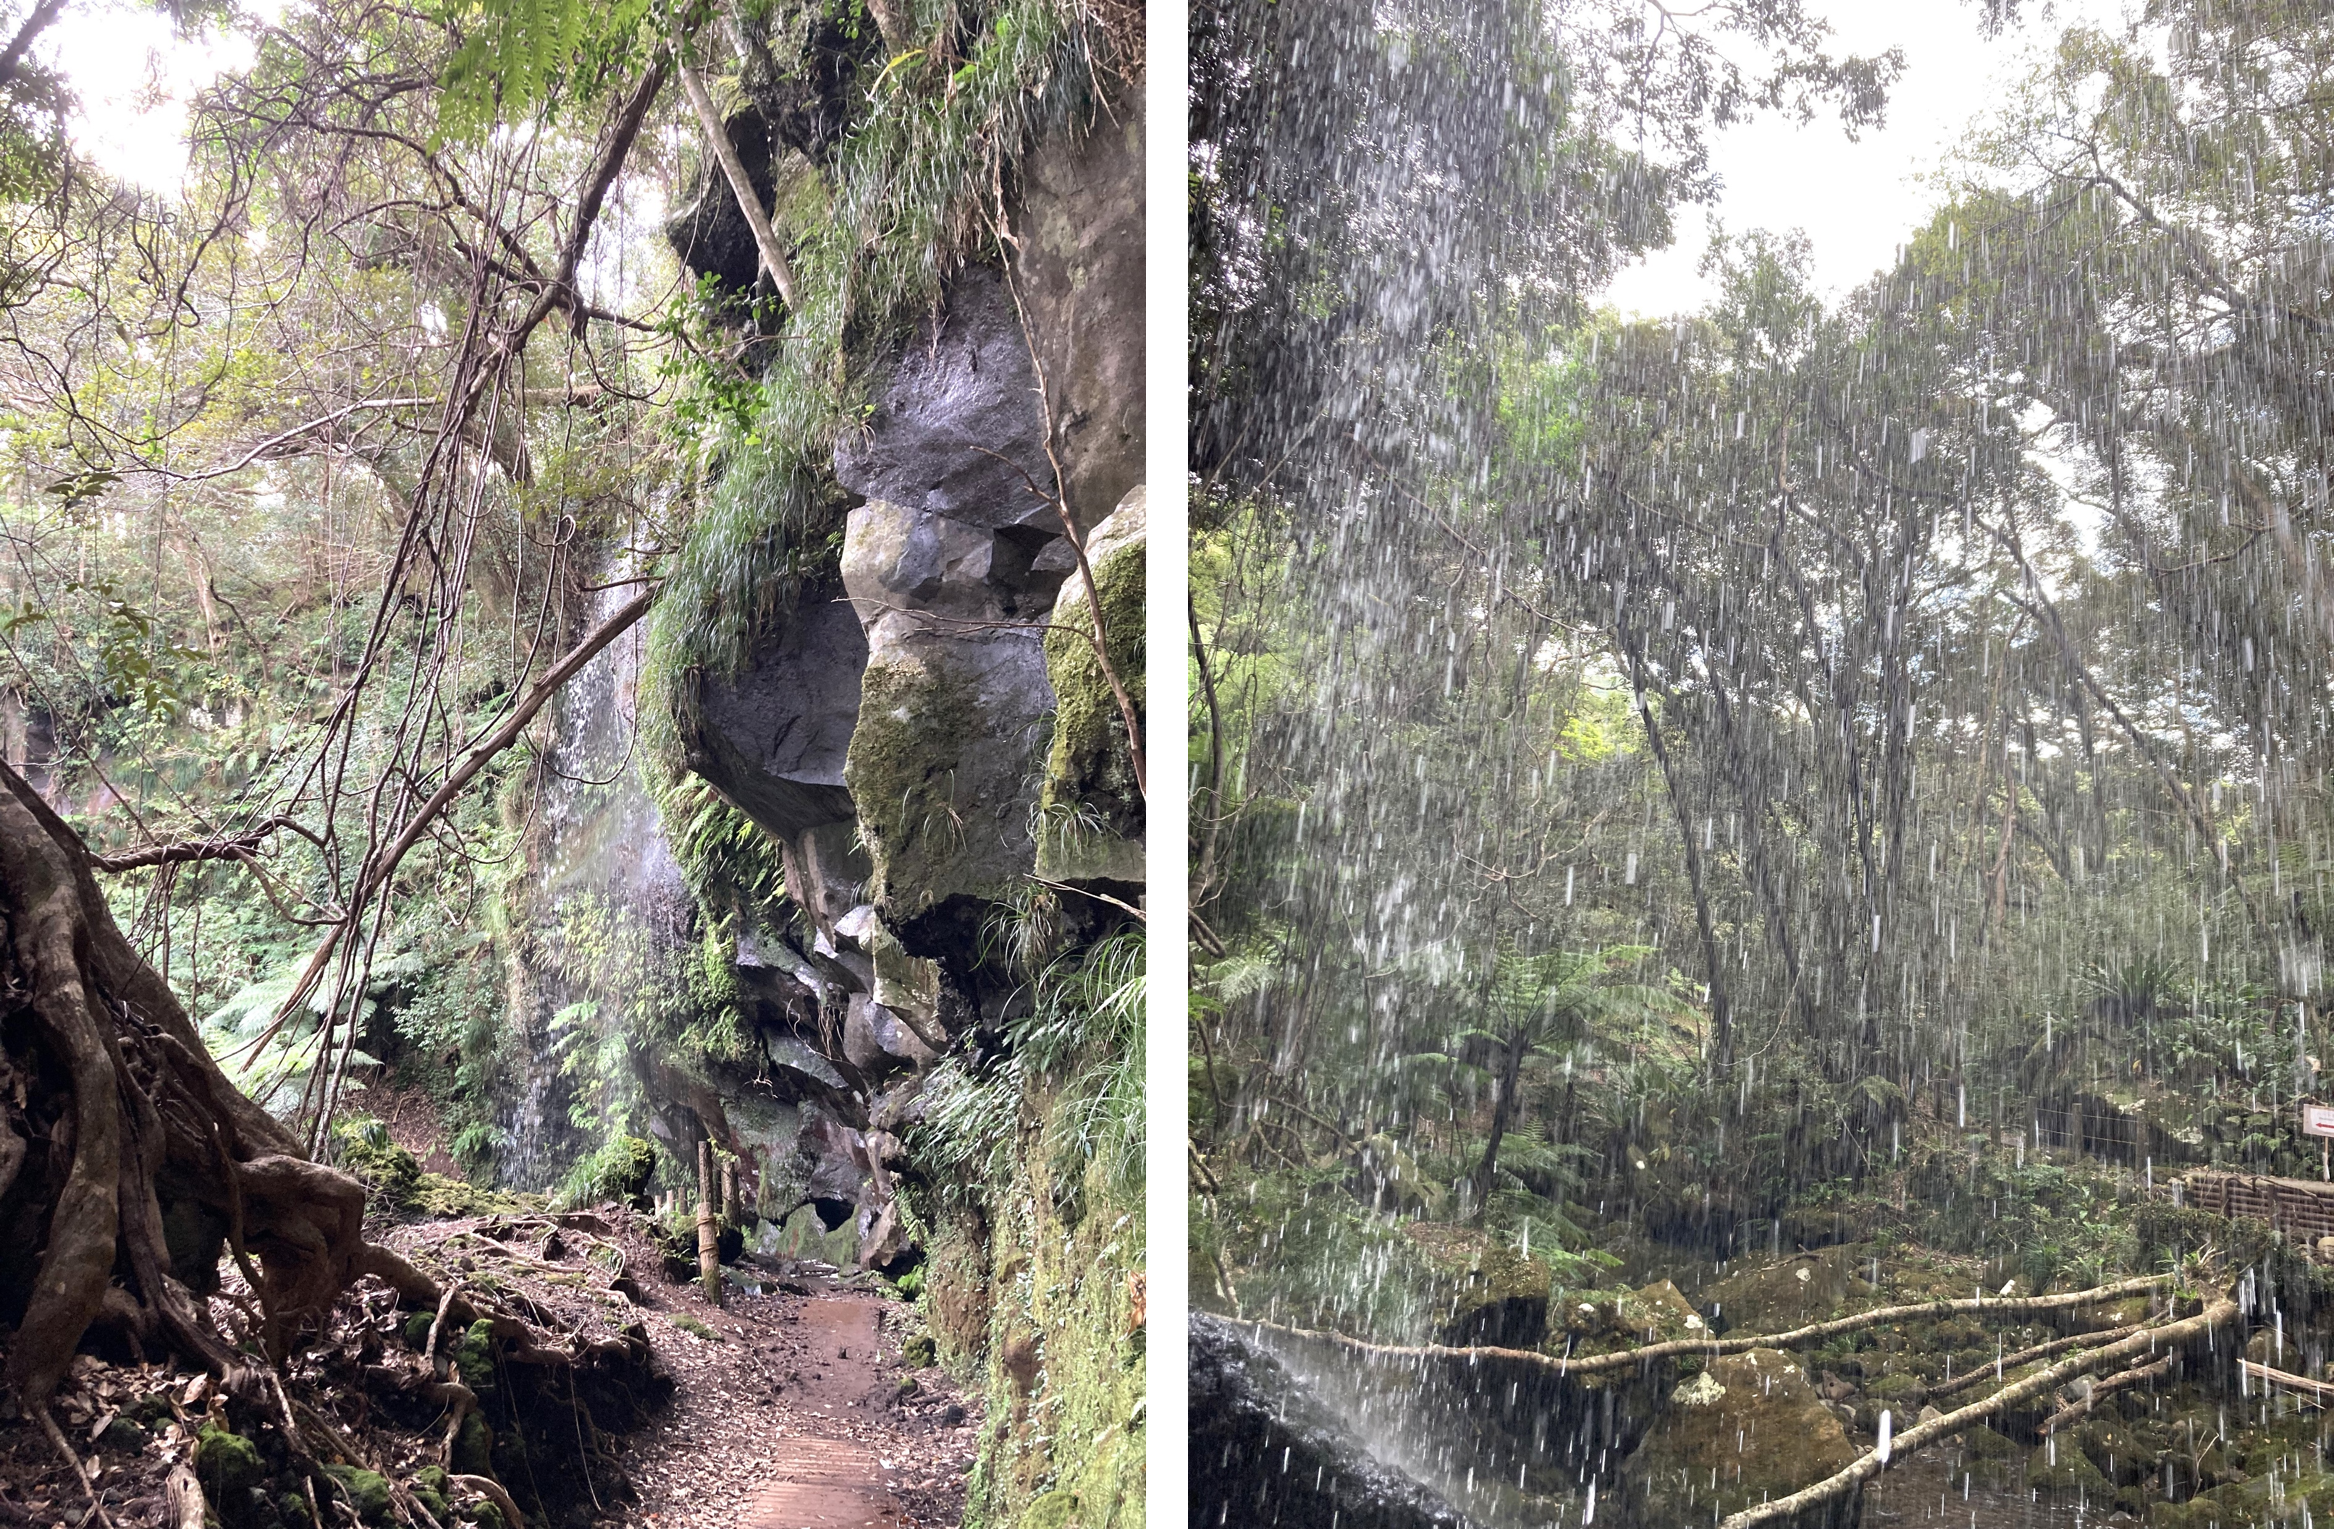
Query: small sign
column 2318, row 1120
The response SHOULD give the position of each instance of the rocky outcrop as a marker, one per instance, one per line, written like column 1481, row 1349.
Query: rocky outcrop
column 1090, row 812
column 1079, row 271
column 907, row 731
column 1745, row 1429
column 774, row 739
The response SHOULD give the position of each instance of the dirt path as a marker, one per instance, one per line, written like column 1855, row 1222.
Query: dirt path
column 799, row 1415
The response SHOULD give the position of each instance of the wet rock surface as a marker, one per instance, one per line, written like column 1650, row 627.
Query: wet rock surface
column 1266, row 1450
column 1746, row 1428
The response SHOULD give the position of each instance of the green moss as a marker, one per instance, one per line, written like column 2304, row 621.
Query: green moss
column 901, row 771
column 389, row 1171
column 918, row 167
column 694, row 1328
column 226, row 1463
column 365, row 1491
column 1089, row 772
column 920, row 1351
column 474, row 1448
column 1078, row 1445
column 436, row 1195
column 417, row 1330
column 475, row 1357
column 1054, row 1510
column 429, row 1489
column 619, row 1170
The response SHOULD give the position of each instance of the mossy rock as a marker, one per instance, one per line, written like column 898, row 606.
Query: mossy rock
column 389, row 1172
column 124, row 1433
column 429, row 1487
column 2265, row 1503
column 1984, row 1443
column 2060, row 1466
column 417, row 1330
column 1491, row 1293
column 474, row 1448
column 436, row 1195
column 365, row 1491
column 1902, row 1393
column 1090, row 808
column 619, row 1170
column 2120, row 1456
column 228, row 1465
column 1775, row 1297
column 927, row 794
column 1053, row 1510
column 475, row 1357
column 1753, row 1420
column 920, row 1351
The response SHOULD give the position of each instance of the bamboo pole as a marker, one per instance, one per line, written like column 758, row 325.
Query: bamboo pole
column 708, row 1232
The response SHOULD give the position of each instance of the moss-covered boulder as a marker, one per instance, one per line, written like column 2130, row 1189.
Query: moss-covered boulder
column 1488, row 1292
column 1090, row 808
column 2060, row 1466
column 228, row 1466
column 430, row 1486
column 2120, row 1455
column 1992, row 1458
column 390, row 1172
column 367, row 1492
column 1787, row 1293
column 2267, row 1502
column 951, row 732
column 474, row 1448
column 1749, row 1427
column 474, row 1359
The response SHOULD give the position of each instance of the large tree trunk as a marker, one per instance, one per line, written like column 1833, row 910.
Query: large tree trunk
column 128, row 1161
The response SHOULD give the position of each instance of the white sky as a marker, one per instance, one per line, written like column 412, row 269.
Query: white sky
column 134, row 78
column 1855, row 201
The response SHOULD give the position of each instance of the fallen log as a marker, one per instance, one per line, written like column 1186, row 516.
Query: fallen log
column 1594, row 1364
column 2320, row 1389
column 2026, row 1356
column 1920, row 1435
column 2113, row 1383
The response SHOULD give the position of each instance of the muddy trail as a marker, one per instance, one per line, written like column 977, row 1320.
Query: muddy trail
column 792, row 1405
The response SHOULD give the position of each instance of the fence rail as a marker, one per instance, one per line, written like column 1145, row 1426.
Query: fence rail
column 2303, row 1209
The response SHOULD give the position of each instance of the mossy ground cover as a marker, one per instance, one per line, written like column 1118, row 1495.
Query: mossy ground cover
column 1062, row 1363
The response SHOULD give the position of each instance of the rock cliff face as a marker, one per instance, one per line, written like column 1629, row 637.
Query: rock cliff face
column 909, row 733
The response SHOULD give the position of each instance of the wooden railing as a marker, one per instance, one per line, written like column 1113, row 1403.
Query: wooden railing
column 2303, row 1209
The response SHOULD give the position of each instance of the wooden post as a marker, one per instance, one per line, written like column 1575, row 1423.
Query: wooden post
column 708, row 1235
column 732, row 1212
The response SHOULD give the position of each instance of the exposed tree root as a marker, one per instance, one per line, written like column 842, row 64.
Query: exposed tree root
column 124, row 1127
column 2166, row 1335
column 1619, row 1359
column 64, row 1447
column 492, row 1490
column 130, row 1166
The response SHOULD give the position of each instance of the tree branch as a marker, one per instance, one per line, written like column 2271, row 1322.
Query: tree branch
column 1921, row 1435
column 1620, row 1359
column 741, row 185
